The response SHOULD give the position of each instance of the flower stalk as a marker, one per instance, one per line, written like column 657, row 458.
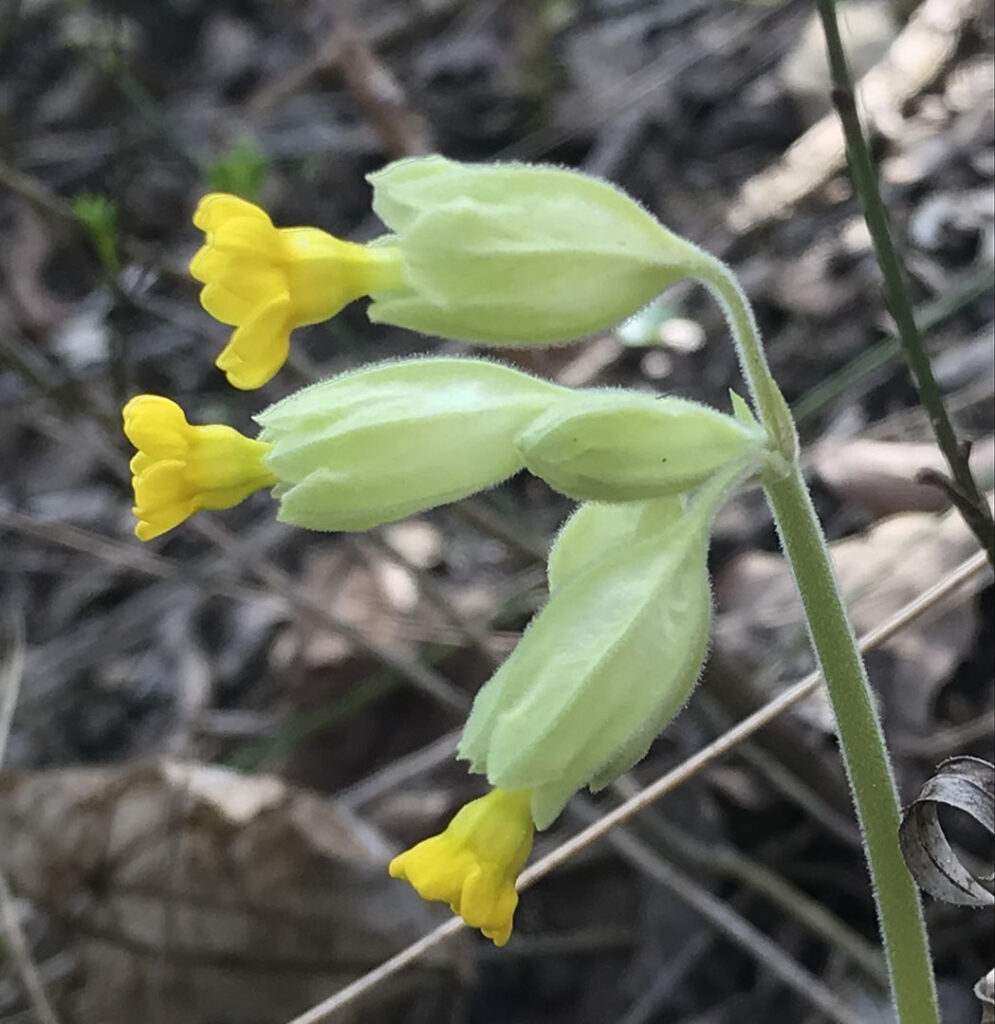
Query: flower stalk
column 865, row 754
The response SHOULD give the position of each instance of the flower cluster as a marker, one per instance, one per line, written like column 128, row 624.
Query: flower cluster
column 509, row 254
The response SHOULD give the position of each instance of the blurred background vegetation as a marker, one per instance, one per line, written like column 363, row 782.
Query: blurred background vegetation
column 220, row 737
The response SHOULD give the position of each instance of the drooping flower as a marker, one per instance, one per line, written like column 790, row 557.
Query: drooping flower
column 265, row 281
column 610, row 659
column 367, row 447
column 180, row 468
column 503, row 253
column 473, row 864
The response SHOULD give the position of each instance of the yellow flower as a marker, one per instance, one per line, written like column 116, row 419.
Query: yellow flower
column 473, row 864
column 180, row 469
column 265, row 281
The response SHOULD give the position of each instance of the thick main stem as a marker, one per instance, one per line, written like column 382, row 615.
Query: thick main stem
column 862, row 741
column 864, row 752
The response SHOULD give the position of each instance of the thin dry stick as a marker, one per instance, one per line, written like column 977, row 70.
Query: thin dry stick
column 274, row 582
column 754, row 875
column 11, row 673
column 646, row 1006
column 388, row 778
column 786, row 782
column 961, row 488
column 665, row 784
column 263, row 569
column 476, row 635
column 731, row 924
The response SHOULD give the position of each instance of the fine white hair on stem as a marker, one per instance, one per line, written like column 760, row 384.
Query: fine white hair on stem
column 666, row 783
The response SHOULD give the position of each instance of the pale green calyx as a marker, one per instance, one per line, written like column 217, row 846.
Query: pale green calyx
column 621, row 446
column 518, row 254
column 393, row 439
column 611, row 658
column 595, row 529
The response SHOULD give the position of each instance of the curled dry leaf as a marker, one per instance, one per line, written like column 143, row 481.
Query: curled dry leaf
column 193, row 893
column 985, row 991
column 968, row 784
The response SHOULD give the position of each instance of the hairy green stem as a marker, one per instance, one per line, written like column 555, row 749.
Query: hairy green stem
column 864, row 752
column 962, row 488
column 862, row 741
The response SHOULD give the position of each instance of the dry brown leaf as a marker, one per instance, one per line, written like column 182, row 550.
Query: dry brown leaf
column 880, row 477
column 921, row 50
column 967, row 784
column 879, row 571
column 195, row 894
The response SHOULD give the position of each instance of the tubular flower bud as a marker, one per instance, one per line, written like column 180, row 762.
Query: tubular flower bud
column 265, row 281
column 620, row 446
column 595, row 530
column 390, row 440
column 180, row 469
column 611, row 658
column 473, row 864
column 513, row 254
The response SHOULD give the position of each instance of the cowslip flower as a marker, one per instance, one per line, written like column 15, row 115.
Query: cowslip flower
column 349, row 453
column 265, row 281
column 180, row 468
column 610, row 659
column 595, row 530
column 504, row 253
column 473, row 864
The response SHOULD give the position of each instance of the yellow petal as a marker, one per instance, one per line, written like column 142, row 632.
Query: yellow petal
column 160, row 484
column 250, row 237
column 227, row 306
column 488, row 902
column 156, row 425
column 259, row 347
column 246, row 265
column 204, row 266
column 217, row 207
column 473, row 864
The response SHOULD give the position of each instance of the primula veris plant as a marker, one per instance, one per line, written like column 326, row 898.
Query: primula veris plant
column 349, row 453
column 378, row 444
column 473, row 864
column 621, row 446
column 511, row 254
column 265, row 281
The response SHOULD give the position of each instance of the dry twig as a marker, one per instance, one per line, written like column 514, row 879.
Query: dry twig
column 11, row 673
